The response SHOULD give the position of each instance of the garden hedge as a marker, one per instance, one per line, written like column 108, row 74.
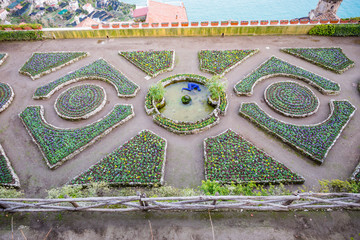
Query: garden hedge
column 8, row 176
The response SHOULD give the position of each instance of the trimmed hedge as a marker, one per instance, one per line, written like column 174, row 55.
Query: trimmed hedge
column 229, row 158
column 140, row 161
column 59, row 144
column 313, row 140
column 8, row 176
column 21, row 35
column 339, row 30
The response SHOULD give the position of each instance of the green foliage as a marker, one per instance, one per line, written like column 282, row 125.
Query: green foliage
column 216, row 86
column 157, row 91
column 337, row 185
column 10, row 193
column 323, row 30
column 249, row 189
column 21, row 35
column 94, row 189
column 340, row 30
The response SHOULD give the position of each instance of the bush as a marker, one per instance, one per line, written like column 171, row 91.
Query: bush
column 10, row 193
column 323, row 30
column 216, row 86
column 95, row 189
column 337, row 185
column 21, row 36
column 343, row 30
column 157, row 92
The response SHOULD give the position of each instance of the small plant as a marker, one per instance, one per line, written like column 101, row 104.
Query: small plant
column 186, row 99
column 337, row 185
column 6, row 192
column 157, row 92
column 216, row 86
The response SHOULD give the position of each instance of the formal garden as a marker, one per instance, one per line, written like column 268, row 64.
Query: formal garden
column 176, row 106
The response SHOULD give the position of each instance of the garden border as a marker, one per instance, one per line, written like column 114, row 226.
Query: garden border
column 130, row 183
column 55, row 68
column 256, row 50
column 316, row 63
column 86, row 116
column 8, row 102
column 158, row 73
column 311, row 83
column 91, row 77
column 16, row 184
column 289, row 114
column 79, row 150
column 259, row 182
column 356, row 171
column 4, row 58
column 308, row 125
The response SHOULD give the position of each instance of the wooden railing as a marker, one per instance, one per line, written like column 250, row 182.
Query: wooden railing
column 302, row 201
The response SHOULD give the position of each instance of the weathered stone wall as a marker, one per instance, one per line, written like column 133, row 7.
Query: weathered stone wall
column 325, row 9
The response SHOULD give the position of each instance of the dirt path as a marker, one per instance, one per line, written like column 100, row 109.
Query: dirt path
column 185, row 153
column 337, row 225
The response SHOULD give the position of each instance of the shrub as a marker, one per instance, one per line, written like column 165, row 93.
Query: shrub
column 337, row 185
column 323, row 30
column 6, row 192
column 216, row 86
column 21, row 35
column 157, row 91
column 339, row 30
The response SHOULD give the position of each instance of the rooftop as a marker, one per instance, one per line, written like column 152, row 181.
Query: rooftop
column 163, row 12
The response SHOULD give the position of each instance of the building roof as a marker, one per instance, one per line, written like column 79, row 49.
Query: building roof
column 87, row 22
column 2, row 10
column 140, row 12
column 162, row 12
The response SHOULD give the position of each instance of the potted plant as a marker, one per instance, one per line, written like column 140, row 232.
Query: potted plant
column 145, row 25
column 165, row 24
column 135, row 25
column 214, row 23
column 204, row 23
column 224, row 23
column 323, row 21
column 174, row 24
column 334, row 21
column 155, row 24
column 234, row 23
column 244, row 23
column 125, row 25
column 157, row 92
column 304, row 21
column 264, row 22
column 105, row 25
column 254, row 22
column 184, row 24
column 274, row 22
column 284, row 22
column 115, row 25
column 294, row 21
column 194, row 24
column 216, row 85
column 344, row 20
column 314, row 21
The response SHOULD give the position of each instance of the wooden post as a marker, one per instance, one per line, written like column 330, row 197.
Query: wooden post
column 214, row 202
column 140, row 195
column 75, row 205
column 288, row 202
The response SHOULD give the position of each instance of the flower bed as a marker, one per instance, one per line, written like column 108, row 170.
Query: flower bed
column 181, row 127
column 152, row 63
column 3, row 57
column 57, row 144
column 221, row 62
column 8, row 176
column 229, row 158
column 6, row 96
column 313, row 140
column 98, row 70
column 140, row 161
column 80, row 102
column 40, row 64
column 291, row 99
column 329, row 58
column 275, row 67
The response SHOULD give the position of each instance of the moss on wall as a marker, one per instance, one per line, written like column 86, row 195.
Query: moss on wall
column 176, row 32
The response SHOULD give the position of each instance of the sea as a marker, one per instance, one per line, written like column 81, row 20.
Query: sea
column 216, row 10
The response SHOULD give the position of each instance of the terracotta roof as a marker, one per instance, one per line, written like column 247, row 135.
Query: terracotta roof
column 162, row 12
column 140, row 12
column 87, row 22
column 18, row 6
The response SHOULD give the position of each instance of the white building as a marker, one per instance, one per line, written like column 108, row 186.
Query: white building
column 4, row 3
column 88, row 7
column 73, row 5
column 51, row 2
column 3, row 14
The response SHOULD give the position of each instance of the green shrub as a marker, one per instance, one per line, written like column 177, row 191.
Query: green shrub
column 337, row 185
column 322, row 30
column 216, row 86
column 6, row 192
column 342, row 30
column 157, row 92
column 95, row 189
column 20, row 35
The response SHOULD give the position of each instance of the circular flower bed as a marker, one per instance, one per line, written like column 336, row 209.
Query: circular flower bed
column 291, row 99
column 80, row 102
column 6, row 96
